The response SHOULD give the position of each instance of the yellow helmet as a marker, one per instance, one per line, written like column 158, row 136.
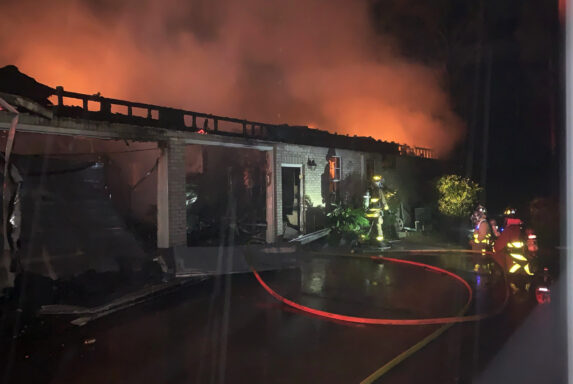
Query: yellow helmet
column 509, row 211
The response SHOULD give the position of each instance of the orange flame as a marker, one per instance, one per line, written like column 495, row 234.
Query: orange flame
column 291, row 62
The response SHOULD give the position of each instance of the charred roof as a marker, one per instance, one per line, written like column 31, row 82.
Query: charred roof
column 13, row 81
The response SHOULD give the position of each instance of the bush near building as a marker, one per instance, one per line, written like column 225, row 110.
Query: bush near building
column 458, row 195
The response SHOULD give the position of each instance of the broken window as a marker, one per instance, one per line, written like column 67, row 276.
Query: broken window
column 334, row 168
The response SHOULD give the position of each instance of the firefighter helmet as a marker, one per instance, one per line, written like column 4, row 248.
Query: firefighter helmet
column 378, row 181
column 509, row 212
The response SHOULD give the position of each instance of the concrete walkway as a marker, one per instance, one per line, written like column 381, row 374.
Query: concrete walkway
column 194, row 261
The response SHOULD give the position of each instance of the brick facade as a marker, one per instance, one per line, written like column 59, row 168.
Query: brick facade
column 172, row 218
column 177, row 211
column 352, row 164
column 314, row 183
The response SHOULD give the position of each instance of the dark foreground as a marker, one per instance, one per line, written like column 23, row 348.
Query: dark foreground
column 228, row 329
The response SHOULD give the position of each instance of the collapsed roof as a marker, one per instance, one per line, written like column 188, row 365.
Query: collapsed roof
column 14, row 82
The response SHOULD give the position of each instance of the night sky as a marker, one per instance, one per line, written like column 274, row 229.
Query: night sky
column 517, row 45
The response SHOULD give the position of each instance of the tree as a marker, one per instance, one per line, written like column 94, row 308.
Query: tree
column 458, row 195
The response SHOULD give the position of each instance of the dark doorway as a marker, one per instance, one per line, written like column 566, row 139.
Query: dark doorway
column 228, row 190
column 291, row 196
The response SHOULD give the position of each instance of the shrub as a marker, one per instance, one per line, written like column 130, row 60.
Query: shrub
column 458, row 195
column 345, row 220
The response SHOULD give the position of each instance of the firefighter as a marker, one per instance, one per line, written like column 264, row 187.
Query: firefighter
column 510, row 244
column 510, row 218
column 482, row 231
column 482, row 236
column 377, row 205
column 511, row 230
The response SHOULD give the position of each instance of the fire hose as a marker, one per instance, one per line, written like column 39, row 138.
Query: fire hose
column 446, row 322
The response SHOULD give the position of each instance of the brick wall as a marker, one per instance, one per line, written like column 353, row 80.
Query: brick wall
column 171, row 214
column 351, row 164
column 177, row 212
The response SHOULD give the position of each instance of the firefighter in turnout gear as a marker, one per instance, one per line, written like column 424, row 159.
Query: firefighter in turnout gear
column 482, row 236
column 376, row 204
column 516, row 248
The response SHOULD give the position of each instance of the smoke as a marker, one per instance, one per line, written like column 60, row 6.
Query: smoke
column 308, row 62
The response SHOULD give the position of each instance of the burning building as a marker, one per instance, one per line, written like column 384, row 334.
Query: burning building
column 166, row 178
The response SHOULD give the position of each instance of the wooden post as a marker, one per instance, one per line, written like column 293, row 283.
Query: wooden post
column 59, row 93
column 104, row 106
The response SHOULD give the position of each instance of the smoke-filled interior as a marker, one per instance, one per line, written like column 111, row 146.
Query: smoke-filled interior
column 223, row 193
column 84, row 204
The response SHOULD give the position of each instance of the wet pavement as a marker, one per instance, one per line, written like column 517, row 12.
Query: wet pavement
column 229, row 329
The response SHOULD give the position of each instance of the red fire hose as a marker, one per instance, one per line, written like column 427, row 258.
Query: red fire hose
column 447, row 322
column 383, row 321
